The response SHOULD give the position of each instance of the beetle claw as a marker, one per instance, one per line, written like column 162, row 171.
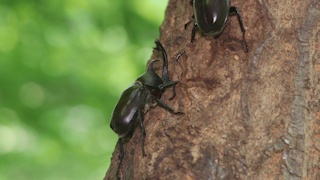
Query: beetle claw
column 174, row 92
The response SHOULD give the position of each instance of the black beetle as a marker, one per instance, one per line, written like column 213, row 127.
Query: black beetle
column 137, row 99
column 211, row 17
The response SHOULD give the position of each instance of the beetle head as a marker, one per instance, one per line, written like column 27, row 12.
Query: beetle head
column 150, row 79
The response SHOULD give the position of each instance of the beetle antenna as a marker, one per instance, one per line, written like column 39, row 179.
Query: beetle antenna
column 165, row 75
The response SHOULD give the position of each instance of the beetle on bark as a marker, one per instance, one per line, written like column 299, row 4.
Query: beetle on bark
column 211, row 17
column 137, row 99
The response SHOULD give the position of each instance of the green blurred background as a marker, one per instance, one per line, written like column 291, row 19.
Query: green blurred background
column 63, row 66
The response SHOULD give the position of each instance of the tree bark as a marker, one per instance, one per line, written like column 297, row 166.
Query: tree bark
column 248, row 115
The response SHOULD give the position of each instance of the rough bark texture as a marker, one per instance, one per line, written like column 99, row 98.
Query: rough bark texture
column 248, row 115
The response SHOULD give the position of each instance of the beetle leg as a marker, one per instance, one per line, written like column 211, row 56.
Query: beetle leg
column 168, row 84
column 185, row 25
column 176, row 60
column 143, row 131
column 174, row 86
column 193, row 34
column 120, row 156
column 193, row 29
column 163, row 105
column 235, row 11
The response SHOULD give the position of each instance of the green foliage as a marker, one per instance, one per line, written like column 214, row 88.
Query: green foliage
column 63, row 66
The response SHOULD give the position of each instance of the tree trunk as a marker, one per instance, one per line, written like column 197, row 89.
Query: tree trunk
column 248, row 115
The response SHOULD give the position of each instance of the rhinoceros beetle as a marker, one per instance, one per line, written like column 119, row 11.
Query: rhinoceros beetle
column 211, row 17
column 137, row 99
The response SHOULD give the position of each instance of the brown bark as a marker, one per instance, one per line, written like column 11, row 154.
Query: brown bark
column 248, row 115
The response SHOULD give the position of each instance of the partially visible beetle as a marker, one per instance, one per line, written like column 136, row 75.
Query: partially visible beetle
column 211, row 17
column 137, row 99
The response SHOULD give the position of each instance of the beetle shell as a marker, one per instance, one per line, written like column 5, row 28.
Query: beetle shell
column 122, row 120
column 211, row 15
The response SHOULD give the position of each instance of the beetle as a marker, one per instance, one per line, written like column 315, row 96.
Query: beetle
column 211, row 17
column 137, row 99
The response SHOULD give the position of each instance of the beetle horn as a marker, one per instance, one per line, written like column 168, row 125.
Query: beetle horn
column 150, row 68
column 165, row 75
